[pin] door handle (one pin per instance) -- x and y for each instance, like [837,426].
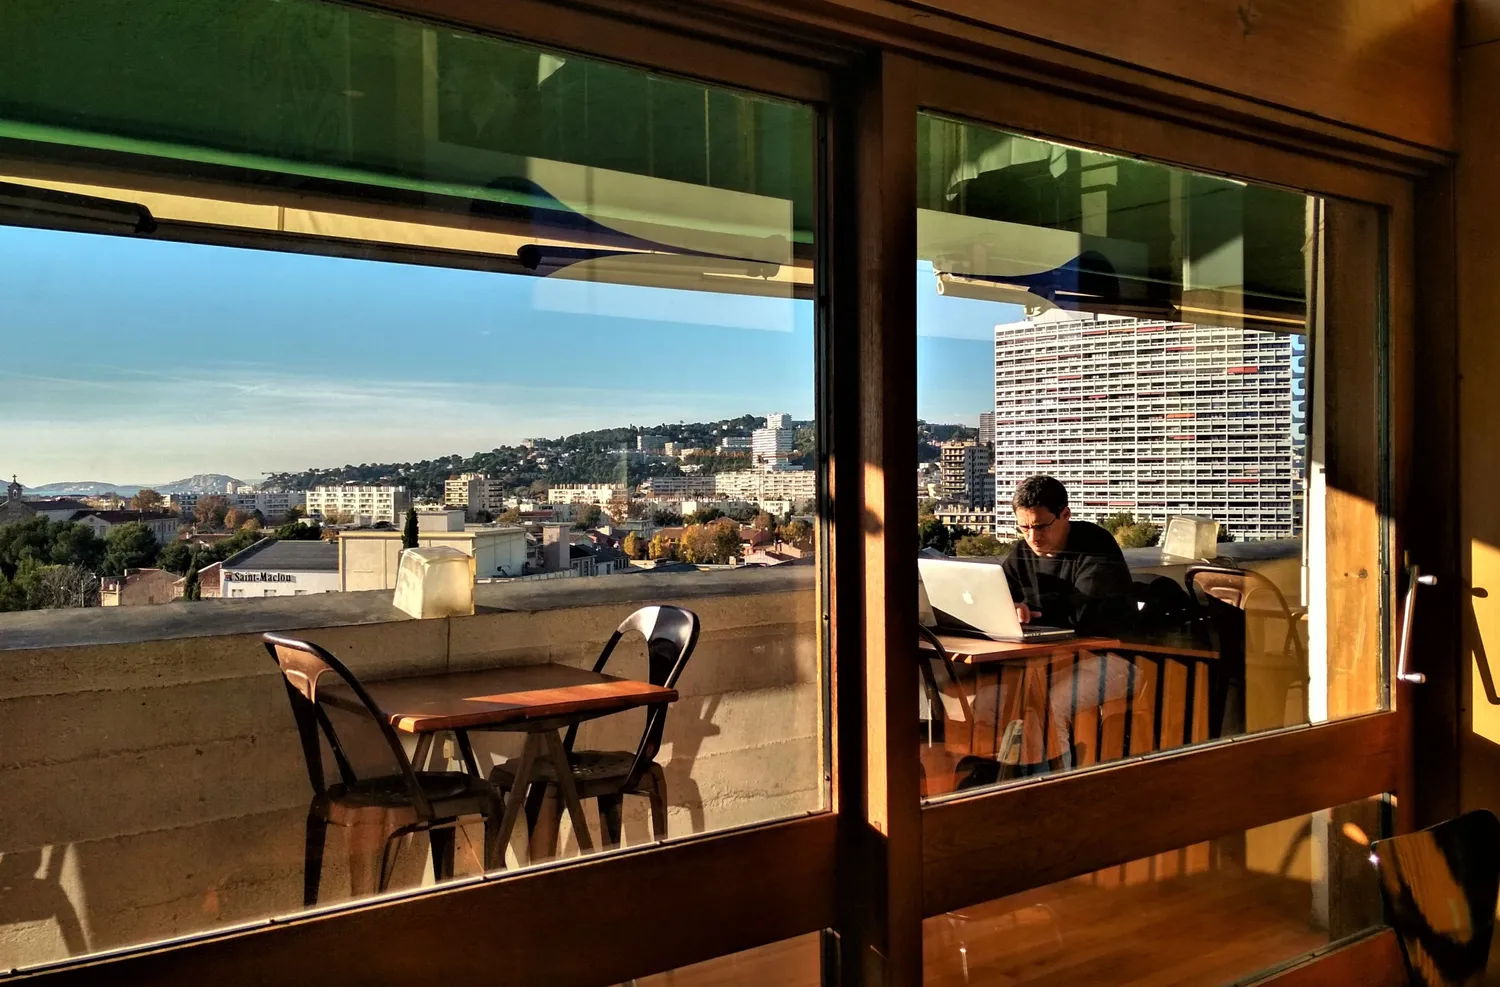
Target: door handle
[1415,579]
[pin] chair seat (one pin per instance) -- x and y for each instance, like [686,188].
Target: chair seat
[450,793]
[591,770]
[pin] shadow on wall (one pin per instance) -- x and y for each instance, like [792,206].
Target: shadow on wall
[31,892]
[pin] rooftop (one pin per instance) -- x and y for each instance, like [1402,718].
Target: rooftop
[305,556]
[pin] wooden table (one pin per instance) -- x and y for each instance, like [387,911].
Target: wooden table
[968,650]
[537,700]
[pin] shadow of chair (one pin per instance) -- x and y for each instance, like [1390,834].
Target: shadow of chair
[28,896]
[378,811]
[1227,595]
[671,635]
[1440,887]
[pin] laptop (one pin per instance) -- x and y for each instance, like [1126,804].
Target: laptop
[974,598]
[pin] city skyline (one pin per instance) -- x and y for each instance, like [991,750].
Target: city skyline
[134,361]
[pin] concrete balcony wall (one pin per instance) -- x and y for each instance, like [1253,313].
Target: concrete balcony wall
[154,785]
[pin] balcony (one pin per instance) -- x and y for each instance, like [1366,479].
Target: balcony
[157,784]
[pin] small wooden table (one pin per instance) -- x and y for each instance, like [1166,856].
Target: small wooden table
[968,650]
[537,700]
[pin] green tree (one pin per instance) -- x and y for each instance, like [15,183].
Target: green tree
[192,588]
[634,546]
[128,546]
[293,514]
[1114,522]
[703,516]
[588,517]
[176,557]
[982,544]
[932,533]
[409,532]
[148,500]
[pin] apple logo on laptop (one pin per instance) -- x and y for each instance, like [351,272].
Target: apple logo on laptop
[968,598]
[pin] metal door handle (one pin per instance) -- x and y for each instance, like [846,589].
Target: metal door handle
[1414,580]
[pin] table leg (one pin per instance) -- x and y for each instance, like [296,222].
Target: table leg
[515,799]
[568,790]
[420,754]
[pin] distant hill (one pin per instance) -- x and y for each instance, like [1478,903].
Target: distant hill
[82,488]
[200,483]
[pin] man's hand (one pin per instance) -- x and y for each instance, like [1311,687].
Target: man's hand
[1025,614]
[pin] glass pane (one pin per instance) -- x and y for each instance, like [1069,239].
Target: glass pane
[1118,443]
[326,285]
[793,962]
[1203,916]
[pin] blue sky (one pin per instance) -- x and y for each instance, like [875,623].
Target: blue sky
[136,361]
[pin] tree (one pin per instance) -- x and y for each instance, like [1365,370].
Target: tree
[715,543]
[664,518]
[148,500]
[634,546]
[128,546]
[483,517]
[54,587]
[1139,535]
[797,533]
[588,517]
[983,544]
[704,515]
[410,531]
[176,557]
[511,516]
[192,588]
[211,510]
[234,519]
[661,549]
[932,533]
[293,514]
[764,522]
[1114,522]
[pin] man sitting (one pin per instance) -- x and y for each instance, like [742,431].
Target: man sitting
[1062,572]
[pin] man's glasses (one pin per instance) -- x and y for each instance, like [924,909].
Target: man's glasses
[1026,528]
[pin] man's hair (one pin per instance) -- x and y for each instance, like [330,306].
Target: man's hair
[1041,491]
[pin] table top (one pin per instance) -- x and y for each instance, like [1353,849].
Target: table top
[499,697]
[978,650]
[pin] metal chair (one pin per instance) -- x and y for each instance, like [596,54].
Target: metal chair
[398,804]
[1440,887]
[671,634]
[1226,594]
[948,706]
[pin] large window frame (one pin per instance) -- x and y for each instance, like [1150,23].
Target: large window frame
[878,862]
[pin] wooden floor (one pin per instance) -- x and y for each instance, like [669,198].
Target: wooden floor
[1206,929]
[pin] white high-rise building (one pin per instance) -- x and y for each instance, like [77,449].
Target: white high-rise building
[987,428]
[770,446]
[376,503]
[1154,418]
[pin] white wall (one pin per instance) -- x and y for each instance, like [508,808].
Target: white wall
[249,582]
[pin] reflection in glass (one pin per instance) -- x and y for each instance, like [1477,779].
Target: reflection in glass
[1202,916]
[1118,384]
[562,309]
[792,962]
[1440,888]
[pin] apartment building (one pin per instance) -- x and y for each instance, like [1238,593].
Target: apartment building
[987,428]
[758,485]
[602,494]
[690,485]
[474,492]
[376,503]
[966,474]
[1155,418]
[770,446]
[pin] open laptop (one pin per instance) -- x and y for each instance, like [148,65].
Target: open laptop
[974,598]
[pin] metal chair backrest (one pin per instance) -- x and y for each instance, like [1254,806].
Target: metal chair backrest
[940,677]
[303,667]
[1237,588]
[1440,887]
[671,634]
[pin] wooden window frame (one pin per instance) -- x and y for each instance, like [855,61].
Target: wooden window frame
[879,861]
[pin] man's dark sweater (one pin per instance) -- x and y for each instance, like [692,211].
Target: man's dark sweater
[1086,586]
